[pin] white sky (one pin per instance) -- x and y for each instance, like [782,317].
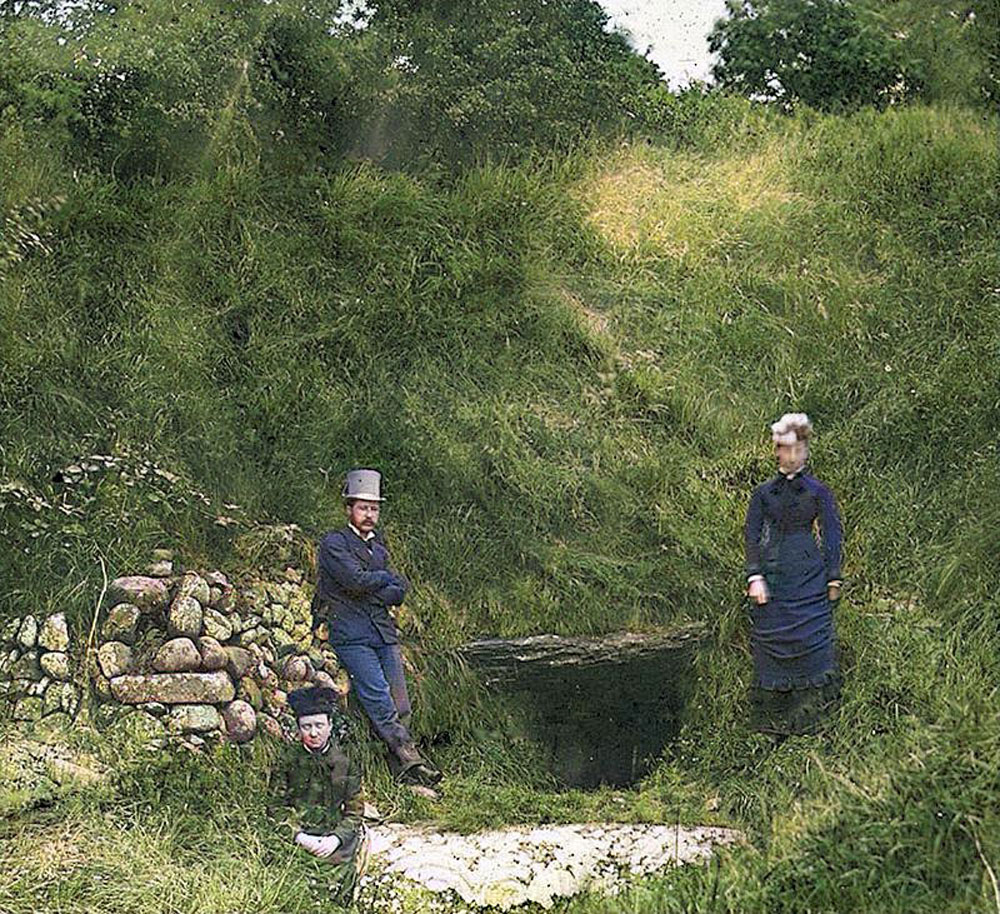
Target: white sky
[675,32]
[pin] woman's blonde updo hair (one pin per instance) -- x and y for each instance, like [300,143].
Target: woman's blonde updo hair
[791,428]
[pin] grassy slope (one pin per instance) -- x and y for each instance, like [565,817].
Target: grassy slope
[573,372]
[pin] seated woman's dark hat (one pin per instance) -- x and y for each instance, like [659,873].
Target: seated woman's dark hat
[313,700]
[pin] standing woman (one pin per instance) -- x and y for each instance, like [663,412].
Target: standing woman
[793,580]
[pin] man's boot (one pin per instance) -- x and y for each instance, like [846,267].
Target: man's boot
[410,767]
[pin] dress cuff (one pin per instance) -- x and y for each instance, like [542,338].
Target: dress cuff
[755,577]
[836,581]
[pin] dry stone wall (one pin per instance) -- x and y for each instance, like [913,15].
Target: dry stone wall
[35,668]
[195,655]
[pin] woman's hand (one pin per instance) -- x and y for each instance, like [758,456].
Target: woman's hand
[318,845]
[757,591]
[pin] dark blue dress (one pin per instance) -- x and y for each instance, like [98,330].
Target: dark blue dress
[792,636]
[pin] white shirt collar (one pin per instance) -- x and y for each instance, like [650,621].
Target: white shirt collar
[361,536]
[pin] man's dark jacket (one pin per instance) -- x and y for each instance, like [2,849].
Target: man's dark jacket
[355,589]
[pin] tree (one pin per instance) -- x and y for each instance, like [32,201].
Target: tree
[501,77]
[824,53]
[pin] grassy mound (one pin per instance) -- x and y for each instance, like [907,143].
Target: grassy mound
[566,371]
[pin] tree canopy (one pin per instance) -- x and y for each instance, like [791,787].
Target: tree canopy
[825,53]
[147,85]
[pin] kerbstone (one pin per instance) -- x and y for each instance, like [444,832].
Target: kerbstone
[510,867]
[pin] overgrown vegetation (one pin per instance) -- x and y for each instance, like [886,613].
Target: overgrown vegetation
[565,362]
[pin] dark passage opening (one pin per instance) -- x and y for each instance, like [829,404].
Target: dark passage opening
[603,708]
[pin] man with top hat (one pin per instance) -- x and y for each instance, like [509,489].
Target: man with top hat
[323,789]
[355,588]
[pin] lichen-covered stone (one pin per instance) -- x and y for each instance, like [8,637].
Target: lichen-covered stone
[55,664]
[54,635]
[7,661]
[296,669]
[239,661]
[213,657]
[250,692]
[163,555]
[193,585]
[50,700]
[102,686]
[8,634]
[139,726]
[240,721]
[121,623]
[26,666]
[276,700]
[114,658]
[38,687]
[178,655]
[149,594]
[282,639]
[174,688]
[185,617]
[217,626]
[243,623]
[253,636]
[270,726]
[160,569]
[323,680]
[27,634]
[69,697]
[193,718]
[217,579]
[214,595]
[227,600]
[28,709]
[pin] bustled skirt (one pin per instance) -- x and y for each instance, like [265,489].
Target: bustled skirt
[796,680]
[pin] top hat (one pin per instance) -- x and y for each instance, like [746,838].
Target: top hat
[363,485]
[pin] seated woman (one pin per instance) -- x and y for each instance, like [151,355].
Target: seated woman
[793,581]
[323,789]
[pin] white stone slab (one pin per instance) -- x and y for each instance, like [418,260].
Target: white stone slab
[508,867]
